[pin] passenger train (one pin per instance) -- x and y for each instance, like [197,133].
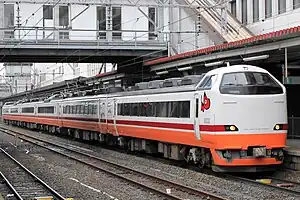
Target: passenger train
[231,119]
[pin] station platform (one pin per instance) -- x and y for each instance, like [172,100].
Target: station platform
[292,154]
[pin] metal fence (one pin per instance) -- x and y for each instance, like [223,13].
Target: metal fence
[294,128]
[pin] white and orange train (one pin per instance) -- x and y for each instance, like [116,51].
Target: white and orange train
[231,119]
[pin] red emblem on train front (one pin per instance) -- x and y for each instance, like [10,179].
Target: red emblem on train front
[205,103]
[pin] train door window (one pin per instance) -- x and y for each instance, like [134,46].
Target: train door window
[77,110]
[68,109]
[197,107]
[81,110]
[90,109]
[86,109]
[120,109]
[64,109]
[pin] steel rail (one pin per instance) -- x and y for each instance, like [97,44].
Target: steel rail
[55,193]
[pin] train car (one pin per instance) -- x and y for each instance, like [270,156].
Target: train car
[232,119]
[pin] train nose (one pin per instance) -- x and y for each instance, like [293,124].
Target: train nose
[259,114]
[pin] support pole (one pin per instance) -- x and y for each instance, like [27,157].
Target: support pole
[285,65]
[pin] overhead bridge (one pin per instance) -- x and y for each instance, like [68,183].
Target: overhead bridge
[53,45]
[219,19]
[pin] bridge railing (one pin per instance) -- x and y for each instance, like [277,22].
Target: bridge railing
[30,35]
[294,128]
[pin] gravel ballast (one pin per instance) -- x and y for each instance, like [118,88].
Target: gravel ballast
[69,178]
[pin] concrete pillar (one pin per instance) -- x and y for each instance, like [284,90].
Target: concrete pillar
[2,20]
[56,21]
[239,10]
[109,22]
[250,12]
[289,5]
[160,22]
[274,8]
[262,12]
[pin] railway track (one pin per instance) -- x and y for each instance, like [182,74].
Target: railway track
[162,187]
[5,191]
[275,183]
[22,182]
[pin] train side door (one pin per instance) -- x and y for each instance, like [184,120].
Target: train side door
[197,117]
[102,116]
[59,112]
[115,116]
[110,116]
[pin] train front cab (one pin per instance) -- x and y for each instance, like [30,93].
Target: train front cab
[244,118]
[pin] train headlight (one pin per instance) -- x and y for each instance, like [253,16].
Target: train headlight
[231,128]
[278,127]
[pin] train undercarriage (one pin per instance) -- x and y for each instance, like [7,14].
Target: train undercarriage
[191,155]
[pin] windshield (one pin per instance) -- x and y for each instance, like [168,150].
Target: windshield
[249,83]
[207,82]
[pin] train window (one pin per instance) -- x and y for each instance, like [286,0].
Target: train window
[134,110]
[28,110]
[207,82]
[163,109]
[149,108]
[46,109]
[94,109]
[126,109]
[6,110]
[68,109]
[14,110]
[64,109]
[120,109]
[184,109]
[249,83]
[142,109]
[174,109]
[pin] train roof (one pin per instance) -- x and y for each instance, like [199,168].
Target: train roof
[171,85]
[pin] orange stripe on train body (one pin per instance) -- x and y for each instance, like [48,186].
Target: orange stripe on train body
[229,140]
